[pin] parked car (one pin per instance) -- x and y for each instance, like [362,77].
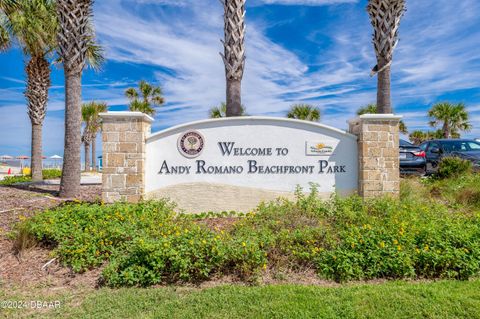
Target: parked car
[412,159]
[435,150]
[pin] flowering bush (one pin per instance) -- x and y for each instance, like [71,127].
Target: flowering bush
[342,239]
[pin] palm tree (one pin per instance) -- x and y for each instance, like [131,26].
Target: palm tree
[217,112]
[417,137]
[145,99]
[95,127]
[304,112]
[385,16]
[372,109]
[33,24]
[453,116]
[88,111]
[234,53]
[76,43]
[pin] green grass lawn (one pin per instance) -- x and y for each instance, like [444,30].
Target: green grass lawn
[444,299]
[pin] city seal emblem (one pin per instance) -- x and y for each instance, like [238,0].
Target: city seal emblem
[191,144]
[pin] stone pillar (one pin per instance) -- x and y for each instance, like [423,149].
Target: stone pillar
[378,154]
[123,171]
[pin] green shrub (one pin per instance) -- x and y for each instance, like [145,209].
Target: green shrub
[341,238]
[85,235]
[187,256]
[11,180]
[47,174]
[453,167]
[52,173]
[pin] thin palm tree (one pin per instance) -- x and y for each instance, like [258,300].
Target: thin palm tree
[33,24]
[217,112]
[454,118]
[234,53]
[88,110]
[372,109]
[95,127]
[146,98]
[385,16]
[304,112]
[76,44]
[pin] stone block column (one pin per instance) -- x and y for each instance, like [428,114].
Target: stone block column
[123,171]
[378,150]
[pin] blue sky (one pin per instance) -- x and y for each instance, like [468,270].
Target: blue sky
[298,51]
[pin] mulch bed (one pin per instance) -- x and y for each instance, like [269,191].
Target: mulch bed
[30,270]
[26,269]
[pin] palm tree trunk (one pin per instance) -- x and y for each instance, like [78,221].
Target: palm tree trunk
[71,174]
[234,53]
[234,98]
[94,151]
[38,83]
[384,103]
[446,130]
[87,156]
[36,159]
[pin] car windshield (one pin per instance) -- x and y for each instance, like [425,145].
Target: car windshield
[460,146]
[405,143]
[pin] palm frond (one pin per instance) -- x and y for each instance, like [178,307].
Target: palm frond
[368,109]
[95,55]
[145,98]
[131,93]
[304,112]
[5,40]
[32,23]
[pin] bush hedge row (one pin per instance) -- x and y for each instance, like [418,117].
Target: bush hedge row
[342,239]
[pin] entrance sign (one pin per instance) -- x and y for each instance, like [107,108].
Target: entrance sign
[235,163]
[269,154]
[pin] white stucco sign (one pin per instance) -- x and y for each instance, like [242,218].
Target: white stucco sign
[253,153]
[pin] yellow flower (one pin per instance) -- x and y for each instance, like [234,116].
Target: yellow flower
[399,248]
[204,241]
[395,242]
[264,266]
[244,244]
[382,244]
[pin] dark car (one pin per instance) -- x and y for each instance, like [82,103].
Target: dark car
[412,159]
[435,150]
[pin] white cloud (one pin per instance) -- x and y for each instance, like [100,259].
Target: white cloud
[178,40]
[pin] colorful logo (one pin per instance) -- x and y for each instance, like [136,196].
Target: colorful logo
[319,149]
[191,144]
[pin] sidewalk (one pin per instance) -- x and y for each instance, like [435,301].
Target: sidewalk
[87,179]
